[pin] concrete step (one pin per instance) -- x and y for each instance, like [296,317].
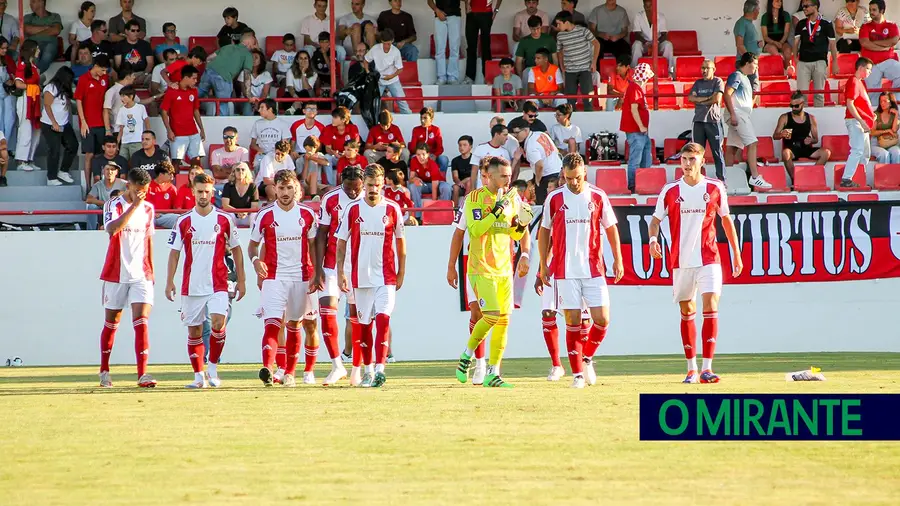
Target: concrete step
[36,177]
[42,206]
[24,194]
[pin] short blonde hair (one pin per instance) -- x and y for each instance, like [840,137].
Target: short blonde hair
[694,148]
[373,170]
[247,178]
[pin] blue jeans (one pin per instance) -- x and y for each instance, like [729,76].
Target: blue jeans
[93,220]
[396,91]
[447,32]
[443,162]
[8,120]
[638,154]
[221,88]
[49,51]
[409,53]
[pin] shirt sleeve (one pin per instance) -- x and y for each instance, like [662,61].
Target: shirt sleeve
[559,77]
[256,231]
[530,76]
[110,213]
[343,231]
[120,117]
[724,210]
[459,220]
[314,228]
[545,215]
[829,31]
[176,241]
[734,81]
[79,89]
[660,212]
[607,216]
[95,191]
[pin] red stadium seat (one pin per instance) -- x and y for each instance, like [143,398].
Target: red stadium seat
[672,147]
[743,200]
[622,201]
[783,96]
[862,197]
[823,197]
[687,68]
[725,65]
[209,152]
[684,42]
[809,178]
[651,201]
[607,68]
[649,181]
[209,43]
[499,46]
[652,151]
[442,217]
[273,43]
[409,74]
[771,67]
[839,146]
[665,103]
[613,181]
[781,199]
[415,104]
[161,39]
[662,70]
[776,176]
[491,70]
[846,66]
[859,177]
[887,176]
[765,150]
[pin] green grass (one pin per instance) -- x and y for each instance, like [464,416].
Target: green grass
[423,439]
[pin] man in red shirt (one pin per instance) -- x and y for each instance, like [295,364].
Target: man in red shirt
[426,177]
[636,121]
[162,194]
[180,111]
[431,135]
[89,100]
[382,134]
[334,136]
[860,119]
[878,38]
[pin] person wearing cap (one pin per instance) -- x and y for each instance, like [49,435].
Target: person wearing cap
[100,192]
[635,122]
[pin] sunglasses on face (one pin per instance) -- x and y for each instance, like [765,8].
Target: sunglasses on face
[228,137]
[531,116]
[135,31]
[796,106]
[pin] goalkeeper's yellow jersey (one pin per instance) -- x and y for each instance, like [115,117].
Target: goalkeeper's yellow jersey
[490,238]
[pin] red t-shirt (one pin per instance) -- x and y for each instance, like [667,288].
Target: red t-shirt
[162,199]
[35,74]
[378,134]
[185,198]
[398,195]
[430,136]
[181,104]
[431,172]
[90,92]
[634,94]
[334,140]
[482,5]
[856,91]
[878,31]
[345,162]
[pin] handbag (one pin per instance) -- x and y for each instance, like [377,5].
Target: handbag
[886,141]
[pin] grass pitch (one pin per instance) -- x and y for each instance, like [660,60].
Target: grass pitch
[423,439]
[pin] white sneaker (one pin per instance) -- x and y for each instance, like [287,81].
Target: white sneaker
[105,380]
[54,182]
[578,382]
[355,376]
[556,372]
[278,376]
[309,378]
[65,177]
[200,383]
[478,375]
[337,373]
[348,359]
[288,381]
[147,381]
[213,381]
[441,81]
[27,167]
[759,182]
[589,371]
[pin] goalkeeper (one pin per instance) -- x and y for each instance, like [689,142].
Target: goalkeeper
[495,216]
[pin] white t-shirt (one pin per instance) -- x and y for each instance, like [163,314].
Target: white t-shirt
[132,121]
[300,133]
[385,63]
[269,166]
[113,101]
[60,107]
[641,23]
[156,77]
[349,20]
[204,240]
[297,83]
[561,134]
[487,149]
[81,31]
[313,26]
[539,147]
[258,83]
[283,60]
[268,132]
[223,158]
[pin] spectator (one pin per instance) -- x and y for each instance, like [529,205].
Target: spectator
[528,46]
[181,117]
[609,24]
[184,198]
[136,52]
[316,23]
[260,83]
[279,159]
[392,161]
[313,164]
[618,83]
[240,193]
[28,105]
[83,63]
[307,127]
[356,26]
[112,99]
[9,30]
[268,130]
[739,107]
[461,168]
[578,52]
[497,146]
[522,26]
[545,80]
[118,24]
[163,194]
[283,59]
[799,133]
[507,84]
[389,64]
[396,190]
[577,17]
[776,28]
[110,153]
[859,117]
[56,127]
[149,155]
[100,192]
[543,157]
[7,98]
[158,85]
[351,158]
[403,28]
[643,37]
[321,62]
[223,160]
[479,20]
[429,134]
[232,31]
[131,122]
[81,28]
[814,39]
[528,119]
[89,101]
[357,66]
[334,136]
[567,136]
[170,31]
[747,39]
[885,143]
[426,178]
[301,81]
[97,43]
[847,22]
[382,134]
[196,57]
[43,26]
[511,144]
[229,62]
[635,122]
[878,38]
[706,95]
[447,23]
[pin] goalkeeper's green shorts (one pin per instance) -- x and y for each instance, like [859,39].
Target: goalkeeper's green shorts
[493,294]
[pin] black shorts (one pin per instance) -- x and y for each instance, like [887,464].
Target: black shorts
[802,151]
[93,141]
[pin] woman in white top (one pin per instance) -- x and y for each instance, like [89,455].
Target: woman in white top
[301,80]
[565,135]
[847,23]
[81,29]
[56,126]
[260,83]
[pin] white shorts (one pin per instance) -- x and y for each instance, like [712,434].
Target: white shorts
[290,300]
[742,135]
[193,307]
[373,301]
[550,301]
[686,281]
[574,293]
[331,288]
[118,295]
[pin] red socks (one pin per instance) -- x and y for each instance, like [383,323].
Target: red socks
[309,362]
[141,344]
[689,335]
[292,348]
[107,338]
[382,337]
[365,343]
[330,330]
[710,331]
[270,341]
[356,335]
[595,335]
[281,357]
[196,350]
[575,346]
[551,337]
[216,345]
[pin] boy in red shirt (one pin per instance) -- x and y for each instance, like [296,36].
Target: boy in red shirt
[382,134]
[89,96]
[860,119]
[180,111]
[334,136]
[163,194]
[878,38]
[396,191]
[425,177]
[351,157]
[431,135]
[195,58]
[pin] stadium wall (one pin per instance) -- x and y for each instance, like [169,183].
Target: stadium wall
[51,312]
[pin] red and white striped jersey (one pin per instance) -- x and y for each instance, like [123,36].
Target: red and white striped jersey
[331,211]
[287,236]
[692,220]
[371,232]
[576,223]
[204,240]
[129,254]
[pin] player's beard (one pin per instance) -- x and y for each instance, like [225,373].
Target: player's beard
[287,200]
[372,198]
[203,204]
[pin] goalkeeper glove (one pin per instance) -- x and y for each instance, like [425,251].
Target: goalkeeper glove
[502,203]
[526,214]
